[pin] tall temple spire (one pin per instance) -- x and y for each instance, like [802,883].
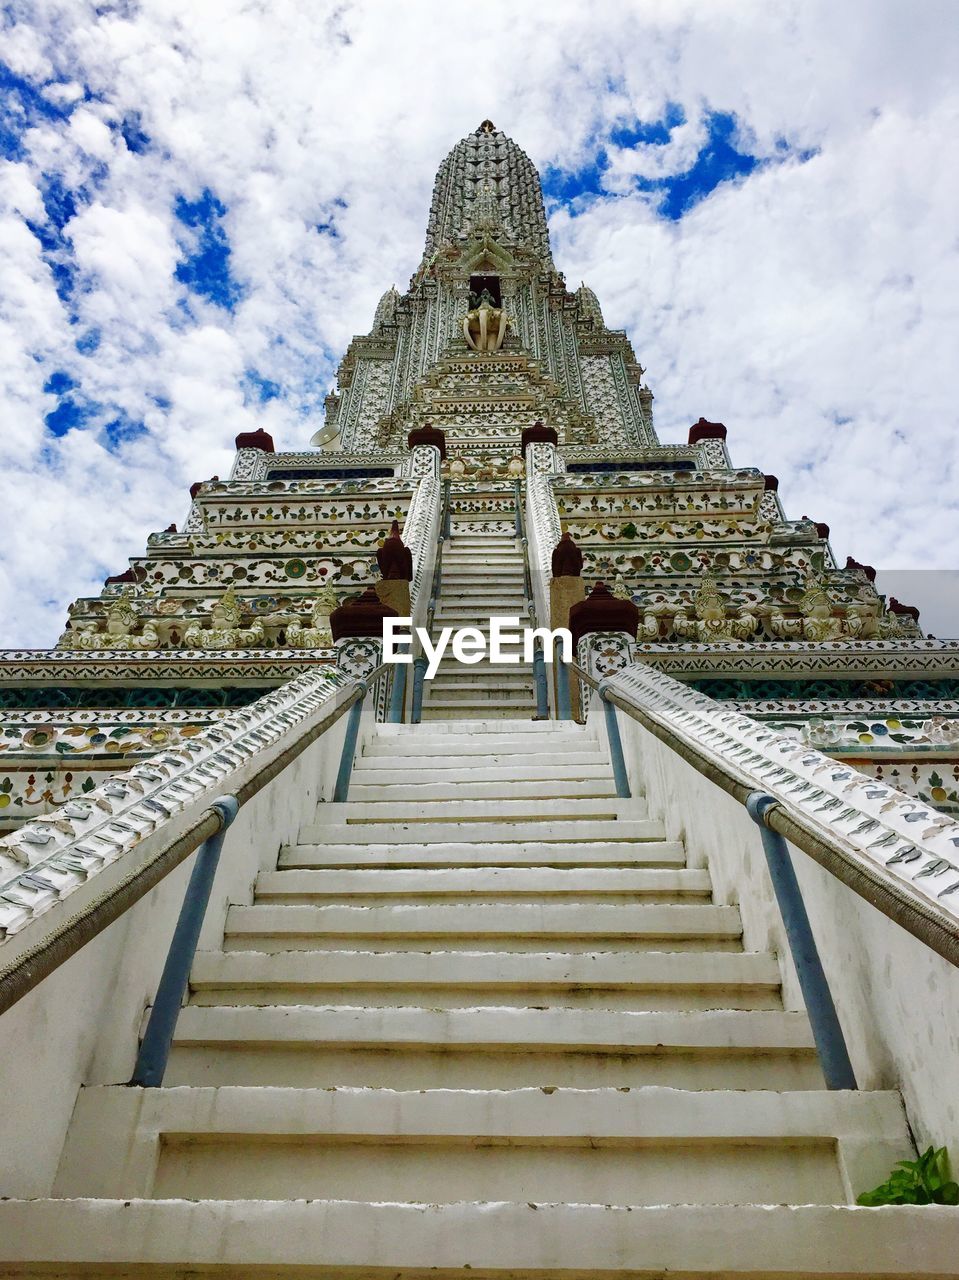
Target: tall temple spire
[487,175]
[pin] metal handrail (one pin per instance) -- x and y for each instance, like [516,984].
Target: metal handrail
[779,823]
[420,662]
[888,894]
[529,606]
[445,533]
[33,965]
[824,1021]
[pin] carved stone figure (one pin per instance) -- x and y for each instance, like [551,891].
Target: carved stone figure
[318,634]
[862,622]
[711,625]
[224,630]
[484,328]
[818,624]
[121,620]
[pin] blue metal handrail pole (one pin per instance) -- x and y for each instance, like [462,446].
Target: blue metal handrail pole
[446,525]
[420,664]
[564,707]
[617,759]
[826,1029]
[542,688]
[398,693]
[341,788]
[155,1048]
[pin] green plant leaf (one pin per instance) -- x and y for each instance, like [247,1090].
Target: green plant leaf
[923,1181]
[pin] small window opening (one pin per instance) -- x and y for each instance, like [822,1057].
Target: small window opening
[489,284]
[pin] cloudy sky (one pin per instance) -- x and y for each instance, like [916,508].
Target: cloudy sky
[200,203]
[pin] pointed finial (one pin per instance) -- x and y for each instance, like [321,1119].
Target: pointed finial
[487,127]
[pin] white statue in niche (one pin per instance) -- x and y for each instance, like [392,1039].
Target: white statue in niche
[484,327]
[711,625]
[318,634]
[118,632]
[224,630]
[817,624]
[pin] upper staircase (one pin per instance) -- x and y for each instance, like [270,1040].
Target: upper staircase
[481,575]
[481,1017]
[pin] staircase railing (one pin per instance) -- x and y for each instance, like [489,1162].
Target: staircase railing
[103,853]
[529,607]
[889,848]
[444,534]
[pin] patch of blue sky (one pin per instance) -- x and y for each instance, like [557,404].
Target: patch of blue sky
[134,135]
[259,389]
[206,269]
[60,205]
[88,342]
[653,133]
[328,225]
[59,383]
[722,158]
[122,430]
[22,105]
[71,412]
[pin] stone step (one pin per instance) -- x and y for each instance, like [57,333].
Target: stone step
[454,852]
[480,882]
[381,770]
[498,556]
[578,922]
[309,1239]
[471,694]
[469,581]
[450,666]
[463,752]
[443,1146]
[469,543]
[508,713]
[676,980]
[500,708]
[549,1031]
[517,703]
[487,597]
[488,832]
[477,613]
[558,731]
[427,790]
[359,813]
[470,618]
[453,672]
[505,712]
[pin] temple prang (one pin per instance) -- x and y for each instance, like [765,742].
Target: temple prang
[486,353]
[628,949]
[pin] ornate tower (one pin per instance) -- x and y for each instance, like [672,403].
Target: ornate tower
[487,241]
[486,344]
[665,991]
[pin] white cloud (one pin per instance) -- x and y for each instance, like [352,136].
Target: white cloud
[808,306]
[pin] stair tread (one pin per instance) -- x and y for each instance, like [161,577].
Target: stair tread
[484,832]
[544,880]
[546,1240]
[547,1030]
[479,919]
[641,1113]
[487,968]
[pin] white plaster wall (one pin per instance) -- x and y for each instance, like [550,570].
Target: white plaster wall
[81,1024]
[898,1002]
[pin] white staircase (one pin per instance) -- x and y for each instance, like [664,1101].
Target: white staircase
[482,1018]
[482,575]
